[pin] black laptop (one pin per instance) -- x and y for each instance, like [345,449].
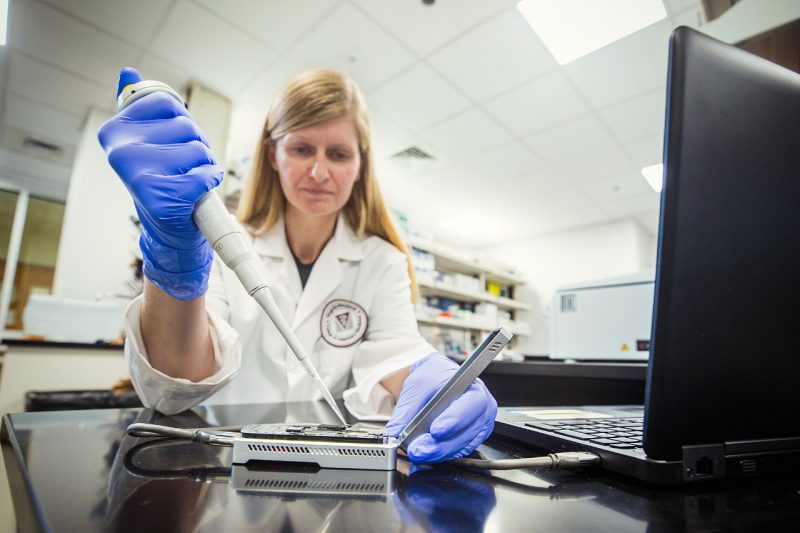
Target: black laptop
[723,383]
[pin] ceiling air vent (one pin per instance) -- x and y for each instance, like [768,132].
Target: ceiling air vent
[412,152]
[41,147]
[36,146]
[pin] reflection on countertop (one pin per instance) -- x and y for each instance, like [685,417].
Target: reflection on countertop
[86,475]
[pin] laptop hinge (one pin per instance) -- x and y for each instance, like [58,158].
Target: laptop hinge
[703,461]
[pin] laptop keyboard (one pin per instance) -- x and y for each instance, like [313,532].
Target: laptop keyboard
[621,433]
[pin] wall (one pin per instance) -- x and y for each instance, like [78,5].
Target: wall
[573,256]
[98,239]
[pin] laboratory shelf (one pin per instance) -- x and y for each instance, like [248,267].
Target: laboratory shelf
[435,288]
[455,260]
[470,325]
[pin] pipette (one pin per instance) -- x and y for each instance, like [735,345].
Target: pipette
[225,236]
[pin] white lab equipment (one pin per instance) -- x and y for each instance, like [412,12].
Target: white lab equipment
[225,236]
[73,320]
[604,319]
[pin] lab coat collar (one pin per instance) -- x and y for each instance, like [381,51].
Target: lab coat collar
[347,245]
[326,275]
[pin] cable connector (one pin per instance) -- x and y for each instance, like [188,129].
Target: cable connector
[575,459]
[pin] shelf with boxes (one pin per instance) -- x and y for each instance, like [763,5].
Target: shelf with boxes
[463,296]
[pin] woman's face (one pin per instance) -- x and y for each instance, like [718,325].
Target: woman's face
[318,165]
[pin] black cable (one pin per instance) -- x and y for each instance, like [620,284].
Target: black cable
[212,436]
[198,474]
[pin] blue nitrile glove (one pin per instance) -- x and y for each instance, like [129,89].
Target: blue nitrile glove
[164,161]
[455,433]
[437,499]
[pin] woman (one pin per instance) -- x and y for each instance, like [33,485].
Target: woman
[337,268]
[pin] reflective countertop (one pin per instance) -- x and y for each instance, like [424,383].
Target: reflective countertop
[77,471]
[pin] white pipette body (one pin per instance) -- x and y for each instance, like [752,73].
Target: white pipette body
[225,236]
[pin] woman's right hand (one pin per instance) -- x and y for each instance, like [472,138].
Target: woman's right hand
[165,163]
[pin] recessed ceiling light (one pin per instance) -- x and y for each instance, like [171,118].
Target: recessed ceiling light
[573,28]
[654,174]
[3,21]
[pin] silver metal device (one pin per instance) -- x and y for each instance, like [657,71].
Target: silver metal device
[225,236]
[360,447]
[457,385]
[349,483]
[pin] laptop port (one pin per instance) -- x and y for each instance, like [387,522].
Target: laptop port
[703,462]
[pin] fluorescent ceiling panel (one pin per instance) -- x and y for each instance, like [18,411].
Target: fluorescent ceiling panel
[654,176]
[3,21]
[573,28]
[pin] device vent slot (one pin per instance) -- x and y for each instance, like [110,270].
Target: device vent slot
[276,484]
[314,485]
[568,303]
[367,453]
[360,487]
[280,449]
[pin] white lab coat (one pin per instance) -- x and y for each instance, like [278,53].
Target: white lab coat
[254,365]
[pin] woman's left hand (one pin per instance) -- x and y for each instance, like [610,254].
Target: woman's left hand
[455,433]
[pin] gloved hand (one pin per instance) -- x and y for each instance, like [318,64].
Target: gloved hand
[164,161]
[442,500]
[455,433]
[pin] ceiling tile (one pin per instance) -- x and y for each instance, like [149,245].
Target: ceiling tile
[618,188]
[424,28]
[626,68]
[387,137]
[649,219]
[350,42]
[647,151]
[55,88]
[633,205]
[266,85]
[155,68]
[595,165]
[46,121]
[506,162]
[676,6]
[135,22]
[41,178]
[471,132]
[493,57]
[211,50]
[58,39]
[538,183]
[537,105]
[527,194]
[570,140]
[446,179]
[636,118]
[417,99]
[584,216]
[276,24]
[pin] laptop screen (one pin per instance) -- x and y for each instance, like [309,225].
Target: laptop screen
[725,354]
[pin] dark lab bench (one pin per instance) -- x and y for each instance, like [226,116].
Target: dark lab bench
[77,471]
[546,382]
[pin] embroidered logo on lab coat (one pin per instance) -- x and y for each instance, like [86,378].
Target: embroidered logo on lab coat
[343,323]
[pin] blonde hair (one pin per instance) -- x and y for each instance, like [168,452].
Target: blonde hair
[307,99]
